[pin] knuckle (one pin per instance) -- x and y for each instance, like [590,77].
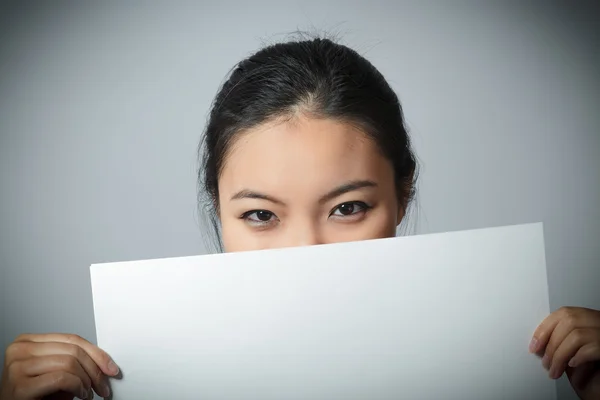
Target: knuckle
[551,348]
[13,370]
[578,336]
[72,338]
[569,316]
[566,311]
[75,351]
[14,350]
[570,322]
[19,392]
[98,375]
[22,337]
[541,333]
[71,363]
[61,381]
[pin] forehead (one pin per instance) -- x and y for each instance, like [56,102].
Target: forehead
[304,154]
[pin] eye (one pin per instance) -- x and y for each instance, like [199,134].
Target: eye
[349,209]
[259,217]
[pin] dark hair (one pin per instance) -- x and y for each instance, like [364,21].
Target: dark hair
[319,77]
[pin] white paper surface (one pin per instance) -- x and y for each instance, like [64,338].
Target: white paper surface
[441,316]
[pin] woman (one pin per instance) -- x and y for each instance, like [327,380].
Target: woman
[305,144]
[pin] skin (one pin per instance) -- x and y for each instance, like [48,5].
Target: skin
[297,163]
[294,172]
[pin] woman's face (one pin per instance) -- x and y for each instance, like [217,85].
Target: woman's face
[303,182]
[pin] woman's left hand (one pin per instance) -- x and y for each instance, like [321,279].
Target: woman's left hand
[569,341]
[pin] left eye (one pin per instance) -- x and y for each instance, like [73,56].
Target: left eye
[350,208]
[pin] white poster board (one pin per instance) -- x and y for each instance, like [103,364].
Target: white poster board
[439,316]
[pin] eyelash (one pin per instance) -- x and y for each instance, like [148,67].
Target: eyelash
[257,223]
[364,207]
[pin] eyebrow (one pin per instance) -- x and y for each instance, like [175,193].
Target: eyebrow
[338,191]
[346,188]
[250,194]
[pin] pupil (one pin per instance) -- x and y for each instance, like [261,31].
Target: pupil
[346,209]
[263,215]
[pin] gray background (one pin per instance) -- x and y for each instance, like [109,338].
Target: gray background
[102,105]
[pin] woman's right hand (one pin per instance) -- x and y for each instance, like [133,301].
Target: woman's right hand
[55,366]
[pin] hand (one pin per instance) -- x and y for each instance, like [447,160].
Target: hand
[569,340]
[55,366]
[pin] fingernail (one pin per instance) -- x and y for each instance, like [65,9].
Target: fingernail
[90,394]
[572,363]
[112,367]
[533,345]
[546,362]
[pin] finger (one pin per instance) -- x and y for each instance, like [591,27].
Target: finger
[580,377]
[567,349]
[73,354]
[586,354]
[569,319]
[100,357]
[54,363]
[54,382]
[542,334]
[61,396]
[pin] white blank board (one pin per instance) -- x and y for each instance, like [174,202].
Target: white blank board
[439,316]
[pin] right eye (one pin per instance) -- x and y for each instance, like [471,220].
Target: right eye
[259,217]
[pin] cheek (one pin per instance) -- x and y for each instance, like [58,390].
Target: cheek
[235,237]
